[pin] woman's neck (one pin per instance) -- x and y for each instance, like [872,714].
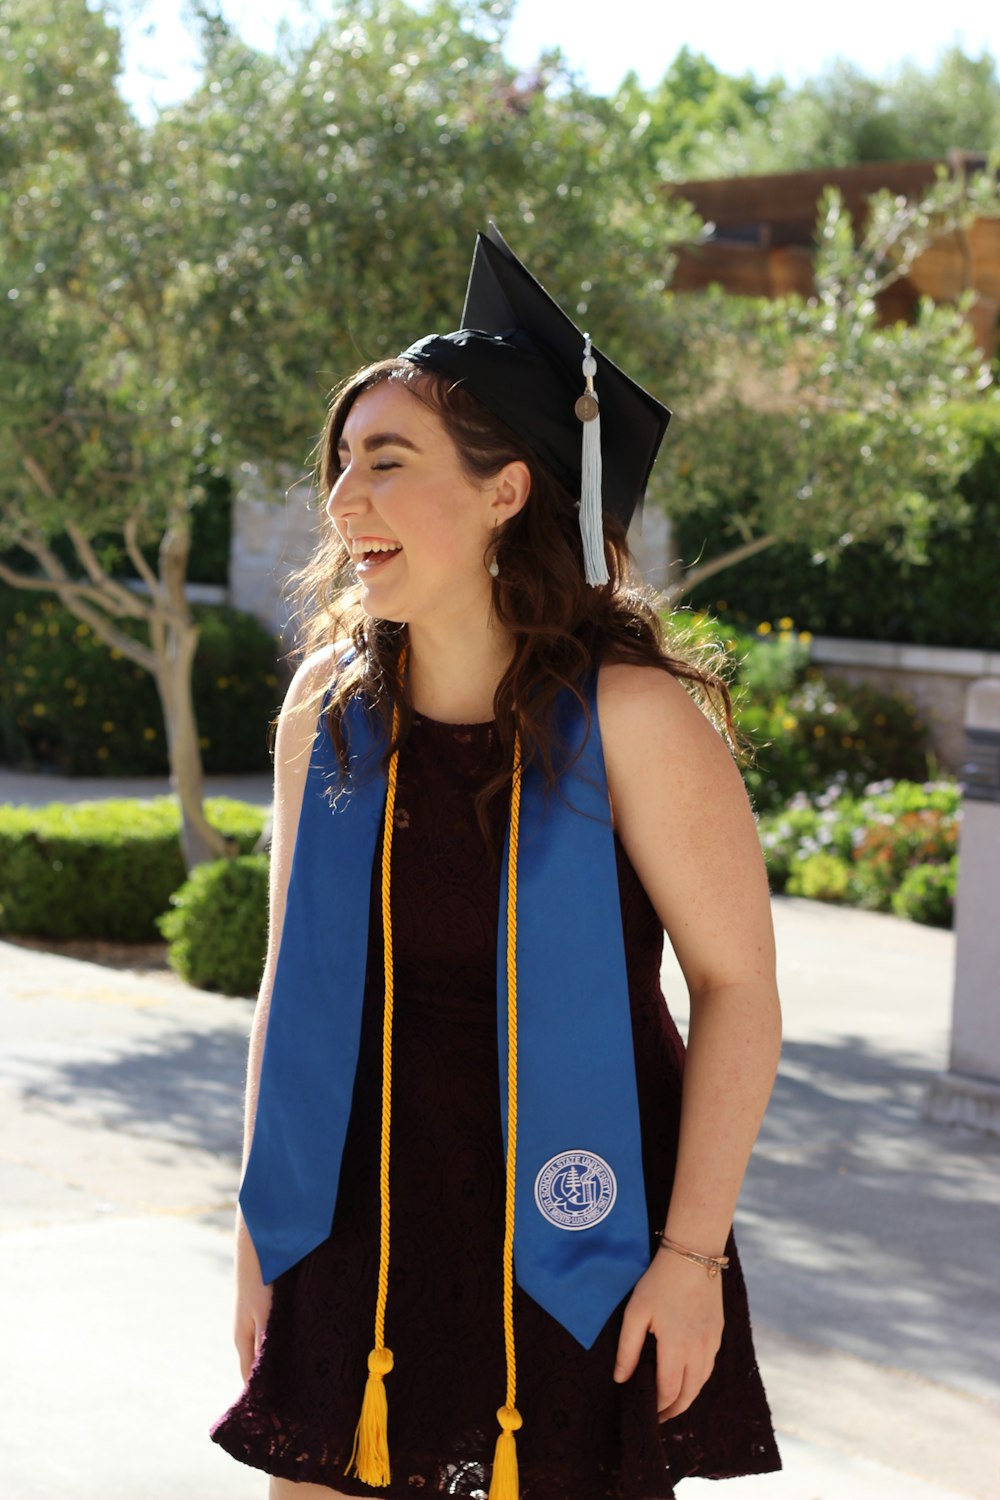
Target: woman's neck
[453,676]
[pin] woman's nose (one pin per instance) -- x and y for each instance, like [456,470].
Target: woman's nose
[346,497]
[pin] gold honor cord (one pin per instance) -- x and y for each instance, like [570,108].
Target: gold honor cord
[370,1453]
[504,1484]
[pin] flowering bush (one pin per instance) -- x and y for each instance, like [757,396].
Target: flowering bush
[808,729]
[894,848]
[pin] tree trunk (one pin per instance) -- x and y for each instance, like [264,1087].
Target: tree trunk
[175,641]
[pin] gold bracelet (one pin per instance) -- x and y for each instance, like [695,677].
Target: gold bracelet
[713,1263]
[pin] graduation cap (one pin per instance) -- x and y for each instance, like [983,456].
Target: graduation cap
[525,360]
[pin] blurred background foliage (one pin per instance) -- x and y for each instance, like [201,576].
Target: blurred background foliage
[181,296]
[178,297]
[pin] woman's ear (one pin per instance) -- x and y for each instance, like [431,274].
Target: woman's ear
[509,490]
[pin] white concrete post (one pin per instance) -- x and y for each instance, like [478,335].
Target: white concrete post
[969,1093]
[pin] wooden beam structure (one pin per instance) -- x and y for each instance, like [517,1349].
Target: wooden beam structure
[762,237]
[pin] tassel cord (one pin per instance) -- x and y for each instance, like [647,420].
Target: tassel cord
[588,409]
[504,1480]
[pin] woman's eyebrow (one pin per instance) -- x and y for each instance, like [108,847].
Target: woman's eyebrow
[381,440]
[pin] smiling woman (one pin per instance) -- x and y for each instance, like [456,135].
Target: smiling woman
[479,1174]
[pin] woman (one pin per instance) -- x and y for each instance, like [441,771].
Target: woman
[470,1120]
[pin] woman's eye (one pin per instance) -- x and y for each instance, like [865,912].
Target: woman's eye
[386,464]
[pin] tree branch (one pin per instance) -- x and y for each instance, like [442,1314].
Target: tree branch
[130,532]
[49,585]
[70,593]
[697,575]
[38,476]
[117,598]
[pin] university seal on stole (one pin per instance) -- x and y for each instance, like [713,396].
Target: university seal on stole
[575,1190]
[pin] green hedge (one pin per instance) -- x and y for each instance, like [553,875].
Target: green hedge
[217,925]
[101,869]
[69,703]
[953,600]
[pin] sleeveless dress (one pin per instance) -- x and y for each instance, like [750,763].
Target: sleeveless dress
[584,1436]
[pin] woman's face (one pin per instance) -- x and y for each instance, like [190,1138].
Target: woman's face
[416,525]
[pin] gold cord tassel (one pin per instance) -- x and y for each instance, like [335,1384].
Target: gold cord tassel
[504,1481]
[370,1453]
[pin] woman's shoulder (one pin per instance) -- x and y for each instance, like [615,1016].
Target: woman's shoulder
[657,740]
[638,699]
[303,701]
[314,674]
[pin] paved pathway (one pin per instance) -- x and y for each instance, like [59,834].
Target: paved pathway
[868,1234]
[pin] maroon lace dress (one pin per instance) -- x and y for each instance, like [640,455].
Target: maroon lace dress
[583,1436]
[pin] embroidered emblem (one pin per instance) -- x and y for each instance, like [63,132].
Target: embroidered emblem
[575,1190]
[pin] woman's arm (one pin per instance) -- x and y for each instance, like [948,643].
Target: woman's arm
[682,813]
[292,750]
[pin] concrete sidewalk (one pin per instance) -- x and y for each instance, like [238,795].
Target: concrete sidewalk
[868,1235]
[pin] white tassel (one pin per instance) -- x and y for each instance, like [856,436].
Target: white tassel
[591,509]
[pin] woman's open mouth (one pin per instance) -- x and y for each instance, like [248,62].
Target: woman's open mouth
[372,553]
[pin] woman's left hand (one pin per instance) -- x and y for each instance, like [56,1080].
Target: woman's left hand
[682,1306]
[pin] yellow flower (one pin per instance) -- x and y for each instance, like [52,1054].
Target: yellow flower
[107,726]
[789,721]
[784,635]
[38,628]
[786,622]
[53,627]
[82,629]
[115,654]
[805,636]
[38,708]
[69,682]
[880,719]
[204,742]
[764,628]
[20,617]
[222,682]
[847,741]
[20,689]
[149,734]
[30,671]
[79,700]
[103,752]
[819,731]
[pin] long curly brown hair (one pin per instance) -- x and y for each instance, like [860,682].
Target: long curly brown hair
[561,627]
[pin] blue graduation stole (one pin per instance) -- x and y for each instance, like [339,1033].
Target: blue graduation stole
[581,1237]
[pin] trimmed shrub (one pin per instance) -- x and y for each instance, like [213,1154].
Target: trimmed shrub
[217,925]
[101,869]
[927,894]
[820,877]
[69,703]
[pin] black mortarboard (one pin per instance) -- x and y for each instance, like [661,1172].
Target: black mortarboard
[519,354]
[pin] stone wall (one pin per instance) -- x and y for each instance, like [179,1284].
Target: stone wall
[936,679]
[275,529]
